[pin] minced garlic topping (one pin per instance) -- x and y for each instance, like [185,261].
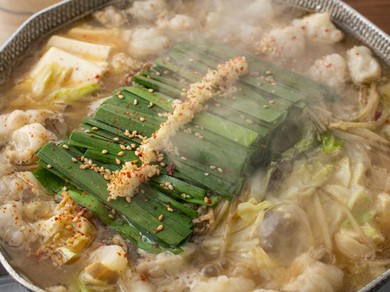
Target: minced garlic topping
[126,181]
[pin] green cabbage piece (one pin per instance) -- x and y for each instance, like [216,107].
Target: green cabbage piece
[74,93]
[330,144]
[49,78]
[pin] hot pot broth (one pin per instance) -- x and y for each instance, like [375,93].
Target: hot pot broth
[308,211]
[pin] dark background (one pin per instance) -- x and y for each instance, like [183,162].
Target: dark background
[378,11]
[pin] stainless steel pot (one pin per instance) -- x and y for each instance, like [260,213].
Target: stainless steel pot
[51,19]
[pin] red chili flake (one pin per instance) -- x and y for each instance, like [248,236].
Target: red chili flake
[170,169]
[97,76]
[378,115]
[143,277]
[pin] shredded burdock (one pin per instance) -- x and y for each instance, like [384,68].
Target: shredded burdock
[126,181]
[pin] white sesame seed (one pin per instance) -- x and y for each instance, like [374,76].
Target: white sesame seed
[183,158]
[159,228]
[116,139]
[135,102]
[206,173]
[104,151]
[120,96]
[49,166]
[220,170]
[117,161]
[151,90]
[161,217]
[111,216]
[121,153]
[95,128]
[65,146]
[213,167]
[142,119]
[74,159]
[133,146]
[123,147]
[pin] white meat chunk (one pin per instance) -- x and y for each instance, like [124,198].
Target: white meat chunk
[288,42]
[310,275]
[318,27]
[238,21]
[122,62]
[223,284]
[110,17]
[26,141]
[13,230]
[259,9]
[12,121]
[330,70]
[144,42]
[179,23]
[147,10]
[164,264]
[249,11]
[13,187]
[363,67]
[233,30]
